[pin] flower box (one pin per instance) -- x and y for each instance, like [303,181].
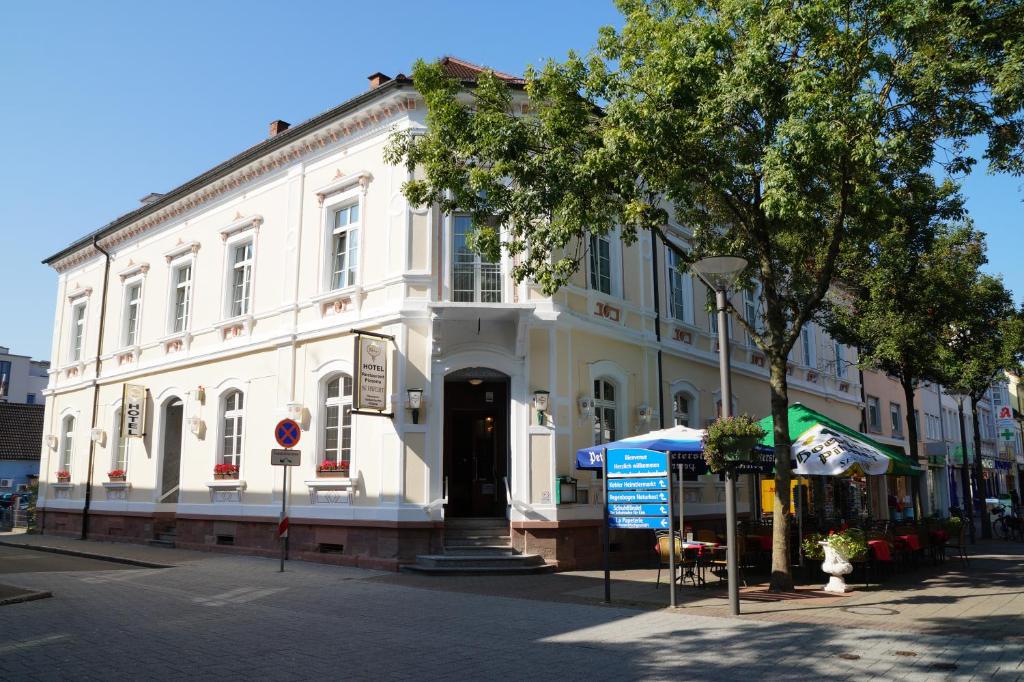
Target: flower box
[225,471]
[122,477]
[117,475]
[225,476]
[335,473]
[63,479]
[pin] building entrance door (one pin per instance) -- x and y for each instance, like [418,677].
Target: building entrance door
[476,443]
[171,449]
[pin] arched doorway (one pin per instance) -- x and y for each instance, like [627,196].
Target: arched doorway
[476,441]
[174,413]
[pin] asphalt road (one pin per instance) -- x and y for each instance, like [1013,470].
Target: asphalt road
[16,560]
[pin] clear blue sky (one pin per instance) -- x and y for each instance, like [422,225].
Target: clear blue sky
[102,103]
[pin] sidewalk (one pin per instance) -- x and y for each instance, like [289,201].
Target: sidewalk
[121,552]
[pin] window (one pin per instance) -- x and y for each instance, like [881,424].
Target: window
[474,279]
[67,447]
[680,289]
[604,411]
[683,408]
[600,264]
[338,419]
[750,312]
[120,454]
[132,308]
[874,414]
[231,447]
[30,398]
[917,424]
[896,417]
[5,378]
[807,347]
[345,247]
[837,348]
[241,279]
[77,331]
[182,294]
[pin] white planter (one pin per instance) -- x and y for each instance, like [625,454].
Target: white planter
[836,565]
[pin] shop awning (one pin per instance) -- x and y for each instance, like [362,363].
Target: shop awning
[685,445]
[824,447]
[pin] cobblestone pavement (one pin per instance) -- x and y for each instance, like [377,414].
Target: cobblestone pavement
[232,617]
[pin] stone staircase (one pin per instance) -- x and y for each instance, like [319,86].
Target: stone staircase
[165,537]
[478,546]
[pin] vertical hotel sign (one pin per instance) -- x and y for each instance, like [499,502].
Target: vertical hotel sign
[371,390]
[133,411]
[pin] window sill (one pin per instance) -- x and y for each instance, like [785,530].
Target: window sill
[226,484]
[177,341]
[331,490]
[116,485]
[128,354]
[62,485]
[240,325]
[339,301]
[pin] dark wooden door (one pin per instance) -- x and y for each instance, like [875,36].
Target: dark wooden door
[476,447]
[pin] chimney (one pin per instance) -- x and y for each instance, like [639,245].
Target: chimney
[378,79]
[278,126]
[150,198]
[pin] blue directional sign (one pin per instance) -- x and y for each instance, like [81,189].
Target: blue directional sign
[639,522]
[638,509]
[659,483]
[638,497]
[636,462]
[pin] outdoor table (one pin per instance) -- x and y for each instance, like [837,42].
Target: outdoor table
[700,548]
[911,541]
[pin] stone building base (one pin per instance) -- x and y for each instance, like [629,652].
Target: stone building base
[578,545]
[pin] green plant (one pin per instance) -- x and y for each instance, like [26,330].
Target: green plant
[726,437]
[953,525]
[851,543]
[813,550]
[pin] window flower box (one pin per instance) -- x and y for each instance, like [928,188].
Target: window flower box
[63,477]
[117,475]
[223,472]
[332,469]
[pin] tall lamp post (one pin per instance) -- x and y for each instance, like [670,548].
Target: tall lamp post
[719,273]
[965,471]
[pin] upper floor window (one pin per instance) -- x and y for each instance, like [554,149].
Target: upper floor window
[132,309]
[337,410]
[896,417]
[241,279]
[30,399]
[67,446]
[807,346]
[474,278]
[840,359]
[5,379]
[77,331]
[182,297]
[874,413]
[680,289]
[600,264]
[345,246]
[604,411]
[683,408]
[231,448]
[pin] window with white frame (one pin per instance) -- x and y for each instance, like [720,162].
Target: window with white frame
[600,264]
[684,409]
[132,311]
[839,351]
[232,423]
[181,297]
[807,346]
[680,289]
[604,411]
[121,446]
[713,324]
[474,278]
[337,411]
[874,413]
[896,418]
[67,446]
[345,246]
[77,331]
[240,298]
[751,299]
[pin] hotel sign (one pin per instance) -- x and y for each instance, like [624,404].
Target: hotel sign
[371,380]
[133,411]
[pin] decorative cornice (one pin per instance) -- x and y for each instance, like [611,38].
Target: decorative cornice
[133,269]
[240,224]
[342,181]
[79,292]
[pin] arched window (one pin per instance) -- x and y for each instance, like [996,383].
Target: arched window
[604,411]
[119,460]
[338,419]
[684,409]
[231,448]
[67,447]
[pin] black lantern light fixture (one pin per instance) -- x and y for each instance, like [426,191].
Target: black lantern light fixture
[415,396]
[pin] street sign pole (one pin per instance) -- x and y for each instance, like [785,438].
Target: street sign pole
[672,542]
[606,530]
[284,498]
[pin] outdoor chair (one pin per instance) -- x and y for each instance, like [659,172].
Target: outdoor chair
[686,561]
[958,545]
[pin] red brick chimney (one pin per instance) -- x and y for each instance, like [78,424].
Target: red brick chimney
[278,126]
[378,79]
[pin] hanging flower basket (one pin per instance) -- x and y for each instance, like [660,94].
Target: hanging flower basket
[332,469]
[225,471]
[732,439]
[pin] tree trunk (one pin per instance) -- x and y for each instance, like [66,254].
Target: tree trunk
[986,520]
[915,454]
[781,580]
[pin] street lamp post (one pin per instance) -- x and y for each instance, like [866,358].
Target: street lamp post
[965,472]
[719,273]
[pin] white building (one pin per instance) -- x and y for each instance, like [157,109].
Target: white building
[22,379]
[234,298]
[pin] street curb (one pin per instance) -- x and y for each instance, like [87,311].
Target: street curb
[28,596]
[85,555]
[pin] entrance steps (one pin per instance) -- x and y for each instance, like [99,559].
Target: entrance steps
[478,546]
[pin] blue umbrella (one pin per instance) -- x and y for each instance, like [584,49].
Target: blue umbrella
[676,439]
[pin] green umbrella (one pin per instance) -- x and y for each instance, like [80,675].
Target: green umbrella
[824,447]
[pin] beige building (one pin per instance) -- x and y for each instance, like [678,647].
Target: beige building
[233,299]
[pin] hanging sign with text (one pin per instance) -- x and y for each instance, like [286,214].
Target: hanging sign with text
[133,411]
[371,364]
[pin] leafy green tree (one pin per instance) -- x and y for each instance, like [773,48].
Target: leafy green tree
[772,129]
[986,341]
[902,296]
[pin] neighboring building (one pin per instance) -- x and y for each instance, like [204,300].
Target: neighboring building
[22,379]
[21,440]
[233,300]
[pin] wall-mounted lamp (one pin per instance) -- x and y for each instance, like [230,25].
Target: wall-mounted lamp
[51,442]
[541,400]
[195,425]
[586,405]
[644,412]
[198,394]
[98,436]
[294,411]
[415,398]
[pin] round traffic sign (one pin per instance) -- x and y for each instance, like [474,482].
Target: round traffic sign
[287,433]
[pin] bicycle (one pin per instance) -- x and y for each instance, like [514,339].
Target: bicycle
[1005,525]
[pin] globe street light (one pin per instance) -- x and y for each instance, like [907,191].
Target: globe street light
[719,273]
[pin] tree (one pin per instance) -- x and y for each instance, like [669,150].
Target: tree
[987,340]
[772,130]
[902,297]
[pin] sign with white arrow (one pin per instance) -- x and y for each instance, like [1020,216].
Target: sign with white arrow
[638,509]
[639,522]
[638,497]
[660,483]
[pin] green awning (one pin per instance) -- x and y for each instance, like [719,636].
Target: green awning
[803,419]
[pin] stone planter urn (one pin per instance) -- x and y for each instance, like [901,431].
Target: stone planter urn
[836,565]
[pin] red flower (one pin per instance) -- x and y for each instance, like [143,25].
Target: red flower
[333,465]
[117,473]
[63,473]
[225,469]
